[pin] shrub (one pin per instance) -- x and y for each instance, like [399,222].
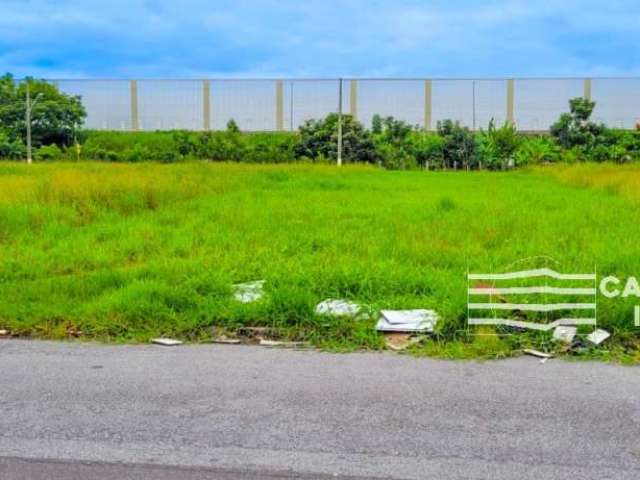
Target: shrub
[319,140]
[537,150]
[499,145]
[428,149]
[48,152]
[390,138]
[459,147]
[11,149]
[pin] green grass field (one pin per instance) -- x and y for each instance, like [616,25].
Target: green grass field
[127,252]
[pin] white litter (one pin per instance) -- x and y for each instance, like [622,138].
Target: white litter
[277,343]
[565,334]
[4,333]
[407,321]
[338,308]
[248,292]
[167,342]
[598,336]
[537,353]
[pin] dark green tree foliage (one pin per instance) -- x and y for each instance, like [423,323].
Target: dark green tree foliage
[55,116]
[391,138]
[574,129]
[319,140]
[459,148]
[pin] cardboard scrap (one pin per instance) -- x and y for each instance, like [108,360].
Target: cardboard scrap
[598,336]
[399,341]
[565,334]
[407,321]
[338,308]
[167,342]
[249,291]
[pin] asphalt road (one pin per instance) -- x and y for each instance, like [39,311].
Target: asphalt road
[77,411]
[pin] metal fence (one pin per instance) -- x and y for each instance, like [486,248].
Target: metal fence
[532,104]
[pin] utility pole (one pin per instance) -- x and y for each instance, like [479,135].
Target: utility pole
[28,120]
[340,122]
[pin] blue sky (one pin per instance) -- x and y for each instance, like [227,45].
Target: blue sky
[302,38]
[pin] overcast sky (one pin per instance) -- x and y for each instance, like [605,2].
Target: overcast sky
[302,38]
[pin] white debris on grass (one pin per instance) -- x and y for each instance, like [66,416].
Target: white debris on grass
[167,342]
[248,292]
[565,334]
[4,333]
[537,353]
[338,308]
[279,343]
[407,321]
[598,336]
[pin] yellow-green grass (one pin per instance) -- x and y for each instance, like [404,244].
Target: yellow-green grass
[128,252]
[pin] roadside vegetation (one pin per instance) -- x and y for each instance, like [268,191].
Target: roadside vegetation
[387,142]
[122,252]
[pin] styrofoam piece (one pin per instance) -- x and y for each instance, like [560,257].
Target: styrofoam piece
[248,292]
[167,342]
[565,333]
[419,320]
[598,336]
[338,308]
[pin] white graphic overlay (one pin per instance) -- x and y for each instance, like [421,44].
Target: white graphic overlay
[485,294]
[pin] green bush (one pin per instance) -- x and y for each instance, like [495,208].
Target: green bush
[537,150]
[427,148]
[48,152]
[11,149]
[497,146]
[319,140]
[459,145]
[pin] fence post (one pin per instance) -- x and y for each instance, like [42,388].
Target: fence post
[135,122]
[428,98]
[510,102]
[206,105]
[340,122]
[279,105]
[587,88]
[353,98]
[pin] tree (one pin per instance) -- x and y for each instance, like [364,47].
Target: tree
[574,129]
[55,116]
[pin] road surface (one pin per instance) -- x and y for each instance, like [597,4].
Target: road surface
[75,411]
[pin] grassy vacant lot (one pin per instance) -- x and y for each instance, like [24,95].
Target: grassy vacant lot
[126,252]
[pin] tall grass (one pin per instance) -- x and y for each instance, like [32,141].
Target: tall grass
[126,252]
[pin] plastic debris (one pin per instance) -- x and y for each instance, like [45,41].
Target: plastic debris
[399,341]
[4,333]
[248,292]
[565,334]
[407,321]
[167,342]
[223,339]
[537,353]
[278,343]
[338,308]
[598,336]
